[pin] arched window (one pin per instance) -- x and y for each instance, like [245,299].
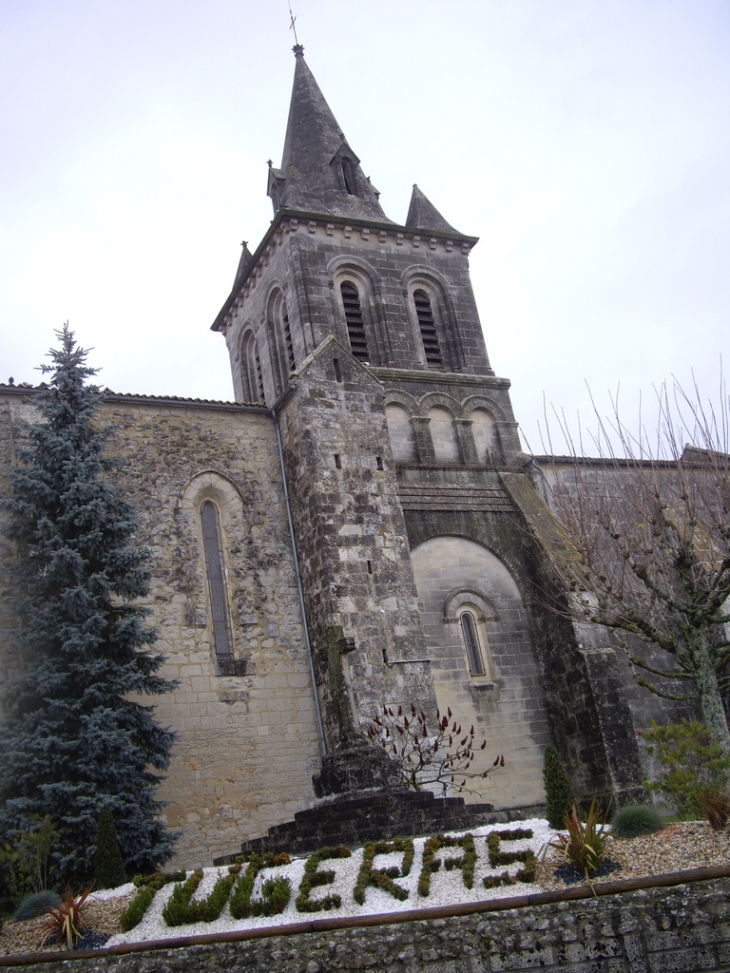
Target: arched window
[427,327]
[470,637]
[354,320]
[483,431]
[443,435]
[253,383]
[216,579]
[348,174]
[400,432]
[281,344]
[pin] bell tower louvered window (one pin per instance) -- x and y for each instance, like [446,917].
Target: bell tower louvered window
[288,341]
[216,580]
[354,320]
[427,326]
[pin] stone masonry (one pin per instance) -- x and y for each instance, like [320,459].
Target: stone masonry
[381,536]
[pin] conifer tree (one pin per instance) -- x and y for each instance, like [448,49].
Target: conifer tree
[74,737]
[558,790]
[108,862]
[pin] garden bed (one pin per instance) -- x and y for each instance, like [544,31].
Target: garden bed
[677,847]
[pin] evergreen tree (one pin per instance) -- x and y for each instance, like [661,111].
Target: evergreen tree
[72,741]
[558,791]
[108,862]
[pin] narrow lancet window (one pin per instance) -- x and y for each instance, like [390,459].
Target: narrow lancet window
[427,326]
[355,322]
[348,174]
[216,580]
[253,380]
[471,642]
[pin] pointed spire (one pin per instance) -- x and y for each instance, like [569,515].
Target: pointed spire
[243,263]
[423,215]
[319,171]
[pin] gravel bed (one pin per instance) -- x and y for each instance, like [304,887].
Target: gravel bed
[688,844]
[676,847]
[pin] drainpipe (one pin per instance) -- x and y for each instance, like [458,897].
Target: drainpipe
[274,415]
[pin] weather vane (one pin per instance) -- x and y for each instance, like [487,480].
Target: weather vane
[293,25]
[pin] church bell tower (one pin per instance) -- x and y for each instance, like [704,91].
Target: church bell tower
[411,500]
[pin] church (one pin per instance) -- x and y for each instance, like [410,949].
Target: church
[360,527]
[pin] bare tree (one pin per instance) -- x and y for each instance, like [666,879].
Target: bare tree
[648,547]
[443,758]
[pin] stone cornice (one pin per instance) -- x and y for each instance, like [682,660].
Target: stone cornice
[433,377]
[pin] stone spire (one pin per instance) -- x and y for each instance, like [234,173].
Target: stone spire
[244,262]
[423,215]
[319,171]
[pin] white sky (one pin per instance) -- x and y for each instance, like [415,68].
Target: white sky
[587,142]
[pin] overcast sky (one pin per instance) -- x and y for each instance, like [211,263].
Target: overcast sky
[586,142]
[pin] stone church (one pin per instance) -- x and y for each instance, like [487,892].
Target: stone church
[361,526]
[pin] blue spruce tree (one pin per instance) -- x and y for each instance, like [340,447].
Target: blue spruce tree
[74,737]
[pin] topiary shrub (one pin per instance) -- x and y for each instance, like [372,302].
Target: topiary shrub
[636,820]
[36,905]
[557,788]
[109,870]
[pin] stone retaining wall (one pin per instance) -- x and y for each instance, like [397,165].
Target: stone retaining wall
[680,929]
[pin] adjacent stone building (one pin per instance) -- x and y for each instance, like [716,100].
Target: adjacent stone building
[360,527]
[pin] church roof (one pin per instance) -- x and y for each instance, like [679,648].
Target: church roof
[320,172]
[423,215]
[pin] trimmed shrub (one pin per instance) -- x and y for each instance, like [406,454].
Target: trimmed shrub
[636,820]
[109,870]
[557,788]
[36,904]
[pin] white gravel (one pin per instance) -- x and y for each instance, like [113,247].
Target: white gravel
[447,887]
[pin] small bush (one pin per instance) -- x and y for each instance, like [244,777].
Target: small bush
[67,919]
[109,870]
[715,805]
[312,878]
[693,764]
[383,878]
[36,905]
[147,888]
[176,909]
[133,914]
[25,865]
[276,893]
[636,820]
[586,843]
[498,857]
[558,790]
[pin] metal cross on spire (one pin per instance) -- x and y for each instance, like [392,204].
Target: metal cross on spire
[293,26]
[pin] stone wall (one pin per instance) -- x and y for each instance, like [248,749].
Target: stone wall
[604,478]
[356,569]
[658,930]
[247,739]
